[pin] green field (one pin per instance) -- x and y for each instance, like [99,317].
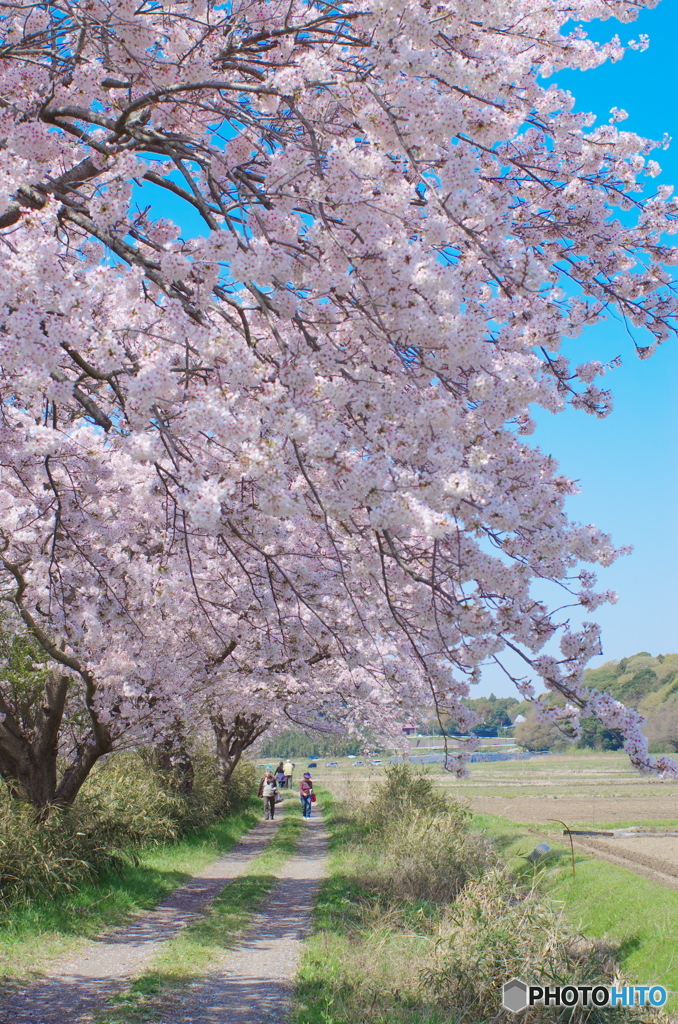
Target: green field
[513,802]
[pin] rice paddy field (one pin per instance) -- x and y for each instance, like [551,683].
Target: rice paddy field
[582,788]
[585,791]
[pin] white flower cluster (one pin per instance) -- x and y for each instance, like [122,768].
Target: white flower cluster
[278,291]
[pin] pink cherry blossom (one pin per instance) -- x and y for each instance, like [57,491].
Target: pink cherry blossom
[279,285]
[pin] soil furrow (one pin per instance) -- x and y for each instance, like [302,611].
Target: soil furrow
[647,867]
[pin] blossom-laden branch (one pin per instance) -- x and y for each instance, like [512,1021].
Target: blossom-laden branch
[303,406]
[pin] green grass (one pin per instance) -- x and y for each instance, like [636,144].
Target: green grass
[636,916]
[331,987]
[324,994]
[202,945]
[32,935]
[552,825]
[604,901]
[663,824]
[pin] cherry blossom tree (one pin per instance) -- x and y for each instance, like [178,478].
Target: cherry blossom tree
[310,265]
[141,630]
[81,581]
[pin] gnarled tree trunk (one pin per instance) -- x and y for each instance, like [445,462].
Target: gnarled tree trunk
[234,738]
[30,734]
[29,749]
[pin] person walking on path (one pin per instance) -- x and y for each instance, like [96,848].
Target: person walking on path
[280,775]
[306,794]
[268,789]
[288,768]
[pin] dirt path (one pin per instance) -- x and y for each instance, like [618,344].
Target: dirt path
[74,989]
[253,984]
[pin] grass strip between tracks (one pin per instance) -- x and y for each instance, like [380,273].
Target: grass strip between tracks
[201,946]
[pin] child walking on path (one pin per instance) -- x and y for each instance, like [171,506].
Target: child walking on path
[306,794]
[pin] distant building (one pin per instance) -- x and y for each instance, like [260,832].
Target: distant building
[409,729]
[518,719]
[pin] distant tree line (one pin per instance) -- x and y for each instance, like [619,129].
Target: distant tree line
[299,743]
[641,681]
[496,713]
[534,735]
[647,683]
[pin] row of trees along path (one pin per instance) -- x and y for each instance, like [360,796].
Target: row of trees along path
[251,984]
[280,284]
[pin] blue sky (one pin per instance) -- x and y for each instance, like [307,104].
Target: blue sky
[626,464]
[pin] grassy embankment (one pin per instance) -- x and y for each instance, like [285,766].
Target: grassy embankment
[33,935]
[603,901]
[420,921]
[201,946]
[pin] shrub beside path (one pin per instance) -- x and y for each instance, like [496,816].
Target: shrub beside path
[253,984]
[73,990]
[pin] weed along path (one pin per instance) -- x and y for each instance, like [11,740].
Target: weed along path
[252,985]
[75,989]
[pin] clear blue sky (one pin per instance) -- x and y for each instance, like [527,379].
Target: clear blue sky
[626,464]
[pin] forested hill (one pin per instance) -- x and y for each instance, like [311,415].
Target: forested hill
[641,681]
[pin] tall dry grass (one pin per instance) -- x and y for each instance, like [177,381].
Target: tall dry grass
[125,804]
[421,923]
[422,848]
[496,930]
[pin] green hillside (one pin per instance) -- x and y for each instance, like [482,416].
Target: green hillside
[648,684]
[640,681]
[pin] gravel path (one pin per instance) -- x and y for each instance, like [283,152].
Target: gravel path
[253,984]
[74,989]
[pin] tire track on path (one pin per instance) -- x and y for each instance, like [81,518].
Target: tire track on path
[75,989]
[253,984]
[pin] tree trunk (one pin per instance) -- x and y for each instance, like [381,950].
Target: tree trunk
[233,739]
[29,738]
[29,752]
[173,758]
[87,755]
